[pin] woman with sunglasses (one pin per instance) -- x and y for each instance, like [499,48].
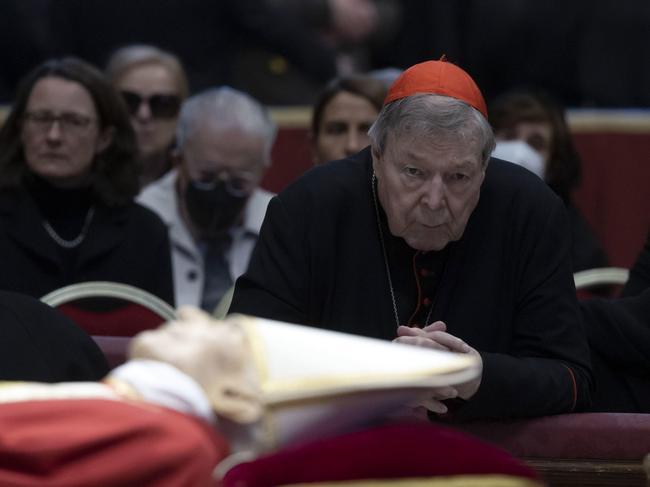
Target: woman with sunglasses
[153,85]
[68,178]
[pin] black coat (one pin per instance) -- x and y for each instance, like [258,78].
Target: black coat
[507,288]
[37,343]
[619,336]
[640,273]
[586,251]
[126,244]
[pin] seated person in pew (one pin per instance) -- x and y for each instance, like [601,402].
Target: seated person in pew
[212,202]
[533,119]
[153,84]
[68,179]
[619,336]
[423,239]
[342,115]
[241,387]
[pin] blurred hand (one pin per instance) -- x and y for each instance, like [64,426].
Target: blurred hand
[435,336]
[353,20]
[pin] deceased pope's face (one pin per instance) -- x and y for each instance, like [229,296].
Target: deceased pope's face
[214,353]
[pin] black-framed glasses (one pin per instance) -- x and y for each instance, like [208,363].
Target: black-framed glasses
[160,106]
[68,121]
[236,182]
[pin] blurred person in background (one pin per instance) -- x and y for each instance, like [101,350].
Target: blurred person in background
[619,336]
[352,29]
[341,117]
[212,202]
[208,36]
[68,178]
[153,84]
[534,118]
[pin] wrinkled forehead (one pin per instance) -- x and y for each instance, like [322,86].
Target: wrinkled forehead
[458,147]
[55,92]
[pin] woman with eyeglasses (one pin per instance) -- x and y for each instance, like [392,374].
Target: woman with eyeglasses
[68,178]
[153,84]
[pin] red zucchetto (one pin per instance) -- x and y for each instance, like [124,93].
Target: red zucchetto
[440,78]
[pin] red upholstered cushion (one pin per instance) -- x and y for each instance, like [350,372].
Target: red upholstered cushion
[607,436]
[115,349]
[127,319]
[389,452]
[89,442]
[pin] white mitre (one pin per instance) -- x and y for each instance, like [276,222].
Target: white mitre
[273,383]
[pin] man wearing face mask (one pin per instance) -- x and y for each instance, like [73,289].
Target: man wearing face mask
[211,202]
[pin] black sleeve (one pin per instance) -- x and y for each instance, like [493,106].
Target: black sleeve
[619,336]
[547,369]
[587,252]
[153,254]
[640,273]
[162,277]
[275,284]
[37,343]
[619,329]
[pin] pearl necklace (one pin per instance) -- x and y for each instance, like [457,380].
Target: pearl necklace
[383,248]
[75,242]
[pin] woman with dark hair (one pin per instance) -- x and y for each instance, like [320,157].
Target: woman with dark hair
[342,116]
[535,118]
[68,176]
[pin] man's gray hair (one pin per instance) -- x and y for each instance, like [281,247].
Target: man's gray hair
[225,108]
[432,116]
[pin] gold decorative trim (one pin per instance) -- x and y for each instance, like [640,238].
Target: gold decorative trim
[291,117]
[601,120]
[486,480]
[280,391]
[267,422]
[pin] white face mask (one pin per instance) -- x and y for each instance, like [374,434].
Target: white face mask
[520,153]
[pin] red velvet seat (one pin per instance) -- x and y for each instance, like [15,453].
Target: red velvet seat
[111,309]
[115,349]
[418,451]
[576,449]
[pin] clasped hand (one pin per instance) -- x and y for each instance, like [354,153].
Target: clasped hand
[435,336]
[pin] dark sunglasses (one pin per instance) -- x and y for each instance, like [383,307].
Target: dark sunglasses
[161,106]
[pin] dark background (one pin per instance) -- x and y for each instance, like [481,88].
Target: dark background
[593,53]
